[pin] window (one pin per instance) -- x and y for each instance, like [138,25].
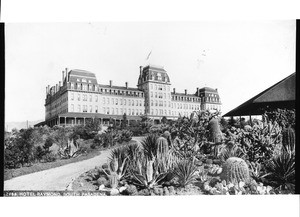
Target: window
[112,101]
[96,98]
[107,100]
[117,111]
[103,100]
[72,85]
[151,102]
[84,87]
[113,111]
[155,86]
[129,102]
[79,108]
[151,86]
[96,109]
[121,101]
[91,109]
[90,98]
[84,108]
[78,96]
[116,101]
[72,108]
[124,101]
[72,96]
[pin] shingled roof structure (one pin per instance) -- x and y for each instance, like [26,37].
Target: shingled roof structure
[280,95]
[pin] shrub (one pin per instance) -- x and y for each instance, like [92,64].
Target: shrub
[49,157]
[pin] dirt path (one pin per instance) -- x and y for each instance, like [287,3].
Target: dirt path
[58,178]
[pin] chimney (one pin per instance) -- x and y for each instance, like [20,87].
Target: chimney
[197,91]
[174,90]
[141,70]
[46,90]
[63,77]
[185,91]
[110,83]
[56,89]
[126,85]
[59,84]
[67,74]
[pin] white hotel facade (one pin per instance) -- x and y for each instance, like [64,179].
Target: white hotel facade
[79,97]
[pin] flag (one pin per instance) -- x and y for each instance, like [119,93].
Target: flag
[149,55]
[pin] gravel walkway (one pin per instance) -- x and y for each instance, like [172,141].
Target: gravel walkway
[58,178]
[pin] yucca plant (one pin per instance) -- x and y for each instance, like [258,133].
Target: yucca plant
[185,172]
[281,171]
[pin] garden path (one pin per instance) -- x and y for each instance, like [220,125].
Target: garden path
[56,179]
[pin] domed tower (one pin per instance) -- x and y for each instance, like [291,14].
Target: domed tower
[155,83]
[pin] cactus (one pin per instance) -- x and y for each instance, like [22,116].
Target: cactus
[162,146]
[235,170]
[215,134]
[288,139]
[113,180]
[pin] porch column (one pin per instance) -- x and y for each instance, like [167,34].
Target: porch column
[65,121]
[75,121]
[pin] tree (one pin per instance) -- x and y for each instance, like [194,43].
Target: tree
[164,120]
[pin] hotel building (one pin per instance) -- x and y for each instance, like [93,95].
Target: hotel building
[79,97]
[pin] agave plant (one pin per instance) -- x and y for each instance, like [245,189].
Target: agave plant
[118,161]
[146,173]
[149,145]
[185,172]
[231,150]
[281,171]
[256,171]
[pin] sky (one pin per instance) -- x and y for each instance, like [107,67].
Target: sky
[240,58]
